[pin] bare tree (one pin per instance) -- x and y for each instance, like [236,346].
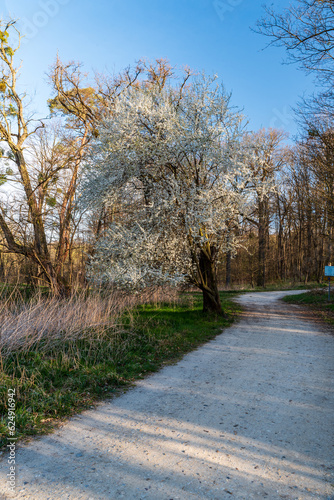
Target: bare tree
[306,30]
[15,130]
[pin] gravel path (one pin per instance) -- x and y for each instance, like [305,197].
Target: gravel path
[247,416]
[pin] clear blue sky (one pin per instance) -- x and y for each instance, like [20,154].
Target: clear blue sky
[209,35]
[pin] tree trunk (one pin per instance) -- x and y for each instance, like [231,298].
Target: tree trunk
[211,302]
[211,298]
[66,212]
[58,285]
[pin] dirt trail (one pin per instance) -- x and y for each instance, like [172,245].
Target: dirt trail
[247,416]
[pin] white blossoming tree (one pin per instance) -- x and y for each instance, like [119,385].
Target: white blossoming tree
[168,164]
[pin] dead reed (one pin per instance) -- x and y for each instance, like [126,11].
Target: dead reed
[48,321]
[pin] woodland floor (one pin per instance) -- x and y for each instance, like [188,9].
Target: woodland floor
[249,415]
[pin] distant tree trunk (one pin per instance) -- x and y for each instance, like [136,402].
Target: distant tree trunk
[308,264]
[208,285]
[263,239]
[280,253]
[329,243]
[228,268]
[2,267]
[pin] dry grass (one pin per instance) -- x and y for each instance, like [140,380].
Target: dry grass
[47,321]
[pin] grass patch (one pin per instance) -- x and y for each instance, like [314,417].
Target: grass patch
[56,379]
[21,292]
[317,301]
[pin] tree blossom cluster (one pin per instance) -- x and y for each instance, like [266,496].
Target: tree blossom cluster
[172,166]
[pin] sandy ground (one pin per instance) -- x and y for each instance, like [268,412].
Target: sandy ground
[247,416]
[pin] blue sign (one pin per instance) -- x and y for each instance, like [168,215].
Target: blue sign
[329,270]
